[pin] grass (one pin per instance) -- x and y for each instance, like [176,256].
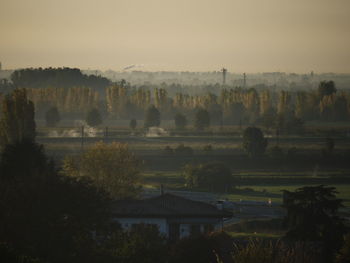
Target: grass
[246,235]
[264,184]
[261,192]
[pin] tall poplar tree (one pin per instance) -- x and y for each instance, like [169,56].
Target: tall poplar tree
[17,118]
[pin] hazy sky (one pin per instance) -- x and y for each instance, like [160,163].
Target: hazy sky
[193,35]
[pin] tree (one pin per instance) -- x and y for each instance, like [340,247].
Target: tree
[327,151]
[52,117]
[133,124]
[17,118]
[202,120]
[111,167]
[180,121]
[93,118]
[181,149]
[254,142]
[152,117]
[326,88]
[142,243]
[214,176]
[45,215]
[312,215]
[343,255]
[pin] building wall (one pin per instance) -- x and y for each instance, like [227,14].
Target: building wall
[127,222]
[163,224]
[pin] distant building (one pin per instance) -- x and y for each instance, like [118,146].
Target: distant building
[176,217]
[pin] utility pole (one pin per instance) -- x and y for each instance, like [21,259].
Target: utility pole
[82,137]
[224,71]
[244,80]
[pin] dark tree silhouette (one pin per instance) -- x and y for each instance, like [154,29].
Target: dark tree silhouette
[56,77]
[254,142]
[326,88]
[312,215]
[202,119]
[93,118]
[214,176]
[152,117]
[45,215]
[17,118]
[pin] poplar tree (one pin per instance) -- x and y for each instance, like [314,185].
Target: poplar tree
[17,118]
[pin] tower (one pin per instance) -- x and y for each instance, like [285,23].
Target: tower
[224,71]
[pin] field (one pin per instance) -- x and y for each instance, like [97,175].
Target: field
[259,179]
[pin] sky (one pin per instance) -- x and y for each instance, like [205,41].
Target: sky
[177,35]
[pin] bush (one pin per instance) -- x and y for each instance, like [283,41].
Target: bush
[168,150]
[214,176]
[254,142]
[181,149]
[208,148]
[93,118]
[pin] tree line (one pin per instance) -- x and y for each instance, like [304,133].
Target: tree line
[233,106]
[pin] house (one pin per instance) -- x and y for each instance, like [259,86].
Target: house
[175,216]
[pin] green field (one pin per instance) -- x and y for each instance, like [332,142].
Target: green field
[261,179]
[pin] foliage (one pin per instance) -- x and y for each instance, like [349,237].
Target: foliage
[93,118]
[231,107]
[326,88]
[133,124]
[180,121]
[44,215]
[343,255]
[208,148]
[52,117]
[56,77]
[152,117]
[111,167]
[312,215]
[17,118]
[260,251]
[196,249]
[202,119]
[168,150]
[10,255]
[142,243]
[74,101]
[214,176]
[254,142]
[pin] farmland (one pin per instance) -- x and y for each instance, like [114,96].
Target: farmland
[256,179]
